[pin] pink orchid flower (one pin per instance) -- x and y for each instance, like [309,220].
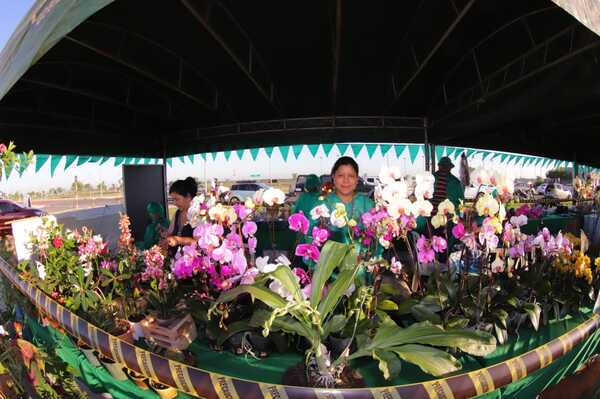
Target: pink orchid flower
[298,222]
[308,251]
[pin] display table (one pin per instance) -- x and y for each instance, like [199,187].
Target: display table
[554,223]
[521,368]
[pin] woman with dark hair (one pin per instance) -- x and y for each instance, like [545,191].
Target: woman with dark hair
[180,232]
[345,181]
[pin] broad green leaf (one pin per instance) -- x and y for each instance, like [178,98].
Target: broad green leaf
[263,294]
[387,305]
[533,311]
[430,360]
[260,317]
[513,301]
[331,256]
[405,306]
[457,322]
[501,334]
[291,326]
[333,325]
[422,313]
[389,364]
[474,342]
[501,315]
[336,291]
[286,277]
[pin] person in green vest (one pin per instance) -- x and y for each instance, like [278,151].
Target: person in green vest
[310,197]
[446,185]
[157,226]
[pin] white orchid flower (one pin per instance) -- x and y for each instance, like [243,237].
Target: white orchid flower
[395,190]
[439,220]
[446,207]
[263,265]
[422,208]
[400,207]
[338,216]
[319,211]
[389,175]
[273,196]
[487,206]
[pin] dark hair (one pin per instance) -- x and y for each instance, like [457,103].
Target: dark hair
[184,187]
[344,161]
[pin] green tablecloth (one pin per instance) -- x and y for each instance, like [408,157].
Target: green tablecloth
[554,223]
[275,235]
[272,368]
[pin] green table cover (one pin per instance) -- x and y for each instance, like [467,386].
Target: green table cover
[554,223]
[272,368]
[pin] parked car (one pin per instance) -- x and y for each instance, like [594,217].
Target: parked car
[10,211]
[239,192]
[298,187]
[541,189]
[557,191]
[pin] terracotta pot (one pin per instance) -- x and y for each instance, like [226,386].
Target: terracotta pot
[114,368]
[139,379]
[165,392]
[90,353]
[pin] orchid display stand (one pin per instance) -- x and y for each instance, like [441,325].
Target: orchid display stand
[176,335]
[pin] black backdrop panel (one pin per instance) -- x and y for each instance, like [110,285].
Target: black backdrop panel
[142,184]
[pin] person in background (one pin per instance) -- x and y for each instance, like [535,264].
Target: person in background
[180,233]
[310,197]
[157,227]
[446,185]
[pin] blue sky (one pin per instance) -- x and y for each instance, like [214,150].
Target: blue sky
[11,12]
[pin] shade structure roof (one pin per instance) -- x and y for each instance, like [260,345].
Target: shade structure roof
[174,77]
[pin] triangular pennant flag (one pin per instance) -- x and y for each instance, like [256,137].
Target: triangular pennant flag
[128,160]
[384,148]
[146,161]
[313,149]
[138,161]
[191,158]
[227,155]
[342,148]
[356,148]
[40,160]
[399,149]
[170,162]
[371,150]
[181,159]
[413,150]
[119,161]
[254,153]
[297,150]
[439,152]
[450,152]
[94,158]
[240,154]
[22,164]
[269,151]
[54,161]
[285,152]
[103,160]
[8,169]
[327,149]
[69,159]
[503,157]
[82,159]
[470,152]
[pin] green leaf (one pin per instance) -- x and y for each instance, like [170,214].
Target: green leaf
[431,360]
[291,326]
[501,334]
[334,325]
[422,313]
[336,291]
[263,294]
[513,301]
[331,256]
[389,364]
[476,343]
[405,306]
[387,305]
[533,311]
[457,322]
[286,277]
[501,315]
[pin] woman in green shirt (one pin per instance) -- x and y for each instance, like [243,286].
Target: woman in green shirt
[345,181]
[158,224]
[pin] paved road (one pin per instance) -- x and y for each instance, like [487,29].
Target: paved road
[66,204]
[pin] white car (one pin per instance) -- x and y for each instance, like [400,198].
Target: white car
[557,191]
[541,189]
[239,192]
